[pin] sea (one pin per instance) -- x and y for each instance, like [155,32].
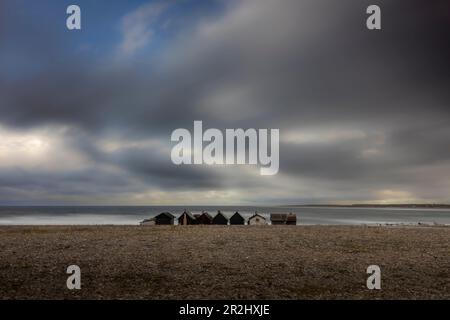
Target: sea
[133,215]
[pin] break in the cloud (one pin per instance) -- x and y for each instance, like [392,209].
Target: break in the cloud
[138,26]
[86,116]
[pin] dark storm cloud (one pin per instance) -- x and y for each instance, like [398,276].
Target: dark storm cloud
[91,181]
[164,173]
[345,73]
[147,164]
[293,71]
[358,158]
[154,169]
[262,64]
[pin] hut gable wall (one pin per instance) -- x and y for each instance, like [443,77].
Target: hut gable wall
[237,219]
[220,219]
[256,220]
[164,218]
[204,218]
[186,218]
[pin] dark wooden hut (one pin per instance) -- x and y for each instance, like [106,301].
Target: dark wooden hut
[291,219]
[186,218]
[278,218]
[283,218]
[237,219]
[164,218]
[204,218]
[220,218]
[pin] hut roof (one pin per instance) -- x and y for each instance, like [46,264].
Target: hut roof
[237,215]
[278,217]
[167,214]
[206,214]
[291,217]
[220,218]
[219,213]
[256,215]
[188,214]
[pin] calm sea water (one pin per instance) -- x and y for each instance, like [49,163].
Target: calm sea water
[132,215]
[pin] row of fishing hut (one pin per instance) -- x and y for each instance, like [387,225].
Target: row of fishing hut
[204,218]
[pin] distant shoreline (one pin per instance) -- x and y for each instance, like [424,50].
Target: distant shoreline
[409,206]
[365,205]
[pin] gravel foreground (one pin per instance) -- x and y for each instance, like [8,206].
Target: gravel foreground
[224,262]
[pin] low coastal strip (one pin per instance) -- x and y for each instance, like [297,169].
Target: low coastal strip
[225,262]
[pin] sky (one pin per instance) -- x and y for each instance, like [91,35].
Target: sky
[86,115]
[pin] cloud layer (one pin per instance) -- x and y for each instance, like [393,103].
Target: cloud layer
[363,115]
